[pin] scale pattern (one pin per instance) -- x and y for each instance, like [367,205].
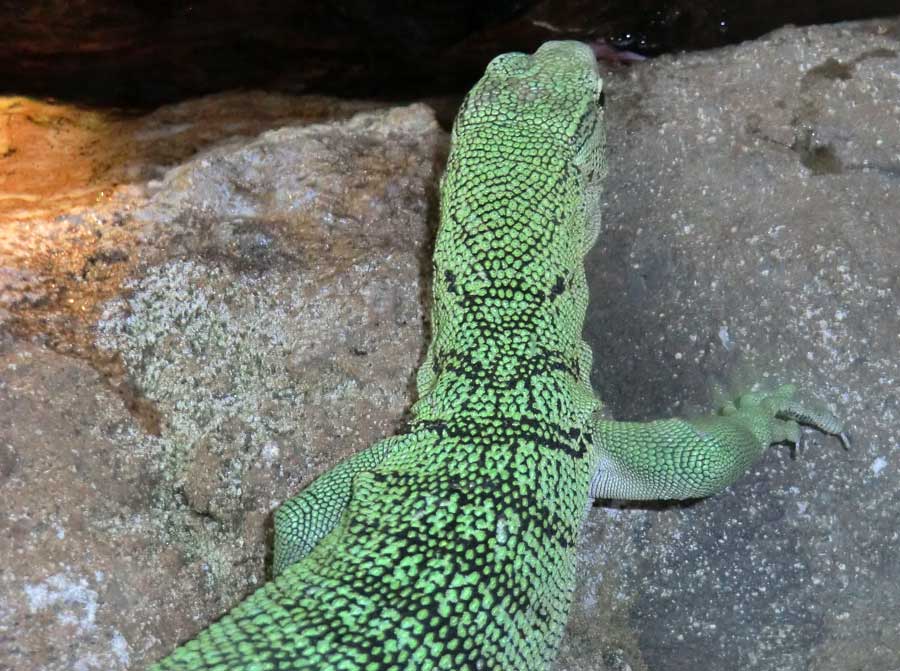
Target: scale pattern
[451,546]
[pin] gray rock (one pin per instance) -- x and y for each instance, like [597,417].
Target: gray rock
[750,235]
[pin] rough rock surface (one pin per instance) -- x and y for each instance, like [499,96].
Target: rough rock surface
[270,324]
[750,234]
[272,316]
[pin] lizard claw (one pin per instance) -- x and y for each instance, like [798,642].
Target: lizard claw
[786,414]
[844,437]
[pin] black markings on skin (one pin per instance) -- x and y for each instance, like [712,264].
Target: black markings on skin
[450,281]
[571,441]
[557,288]
[541,362]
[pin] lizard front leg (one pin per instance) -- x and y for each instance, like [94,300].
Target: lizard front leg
[681,459]
[302,521]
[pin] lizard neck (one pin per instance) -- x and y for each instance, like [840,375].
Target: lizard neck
[510,293]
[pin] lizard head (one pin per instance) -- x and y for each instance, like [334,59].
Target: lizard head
[544,111]
[520,196]
[555,94]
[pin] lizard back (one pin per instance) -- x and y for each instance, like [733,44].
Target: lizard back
[456,551]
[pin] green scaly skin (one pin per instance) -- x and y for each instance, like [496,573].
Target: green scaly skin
[452,545]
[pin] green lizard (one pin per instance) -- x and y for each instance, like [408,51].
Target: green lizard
[452,545]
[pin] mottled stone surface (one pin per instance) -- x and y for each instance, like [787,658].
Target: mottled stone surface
[269,324]
[71,180]
[248,306]
[750,234]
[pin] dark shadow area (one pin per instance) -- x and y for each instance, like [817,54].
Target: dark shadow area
[141,54]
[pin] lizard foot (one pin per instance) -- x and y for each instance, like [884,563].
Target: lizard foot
[784,415]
